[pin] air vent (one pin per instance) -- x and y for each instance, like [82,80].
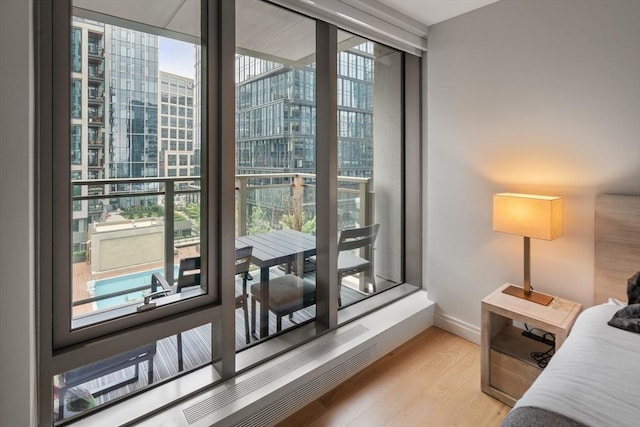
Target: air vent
[312,390]
[253,383]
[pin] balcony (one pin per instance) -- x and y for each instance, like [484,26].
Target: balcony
[95,97]
[95,51]
[171,207]
[97,141]
[96,120]
[96,74]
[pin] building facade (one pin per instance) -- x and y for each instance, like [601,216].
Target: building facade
[114,110]
[177,149]
[276,123]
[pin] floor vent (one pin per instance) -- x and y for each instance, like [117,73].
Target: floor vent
[312,390]
[251,384]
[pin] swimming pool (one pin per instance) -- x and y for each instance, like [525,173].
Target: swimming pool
[122,283]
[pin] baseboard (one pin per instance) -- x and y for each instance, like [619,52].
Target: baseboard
[457,327]
[271,392]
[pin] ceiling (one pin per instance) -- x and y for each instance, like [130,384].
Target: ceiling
[178,15]
[430,12]
[263,29]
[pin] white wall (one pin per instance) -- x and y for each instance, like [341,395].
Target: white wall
[530,96]
[17,300]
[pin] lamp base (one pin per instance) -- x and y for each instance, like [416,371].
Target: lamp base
[536,297]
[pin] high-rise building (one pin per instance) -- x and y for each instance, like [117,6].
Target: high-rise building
[132,83]
[276,123]
[114,106]
[176,100]
[276,115]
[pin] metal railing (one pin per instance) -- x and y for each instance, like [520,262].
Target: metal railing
[170,187]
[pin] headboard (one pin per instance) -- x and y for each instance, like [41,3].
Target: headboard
[617,245]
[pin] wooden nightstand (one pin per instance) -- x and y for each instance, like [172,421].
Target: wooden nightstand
[507,366]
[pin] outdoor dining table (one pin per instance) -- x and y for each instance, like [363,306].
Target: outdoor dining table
[289,247]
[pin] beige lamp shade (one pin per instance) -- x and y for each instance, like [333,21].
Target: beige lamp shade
[528,215]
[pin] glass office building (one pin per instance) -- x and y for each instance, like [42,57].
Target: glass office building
[133,105]
[275,115]
[276,122]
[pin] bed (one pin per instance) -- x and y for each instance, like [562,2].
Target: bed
[594,378]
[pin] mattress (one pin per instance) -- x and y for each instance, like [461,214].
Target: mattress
[594,378]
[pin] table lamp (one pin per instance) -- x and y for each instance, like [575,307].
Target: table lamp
[530,216]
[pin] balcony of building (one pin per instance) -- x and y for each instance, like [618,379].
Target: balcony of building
[160,207]
[96,71]
[95,94]
[96,116]
[95,52]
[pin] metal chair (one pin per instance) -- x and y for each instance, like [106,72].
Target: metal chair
[189,275]
[363,239]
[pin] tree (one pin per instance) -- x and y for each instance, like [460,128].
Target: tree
[258,222]
[309,227]
[294,215]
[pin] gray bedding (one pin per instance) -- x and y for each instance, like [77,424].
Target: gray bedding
[593,379]
[530,416]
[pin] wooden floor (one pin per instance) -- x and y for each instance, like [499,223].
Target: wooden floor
[432,380]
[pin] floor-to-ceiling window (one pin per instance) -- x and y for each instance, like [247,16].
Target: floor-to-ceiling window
[179,149]
[275,151]
[134,245]
[370,166]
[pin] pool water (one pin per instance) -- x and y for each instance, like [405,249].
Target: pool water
[121,283]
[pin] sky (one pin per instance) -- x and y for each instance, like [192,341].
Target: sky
[177,57]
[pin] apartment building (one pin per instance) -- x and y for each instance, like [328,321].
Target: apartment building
[114,112]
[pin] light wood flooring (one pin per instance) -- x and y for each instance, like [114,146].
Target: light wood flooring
[432,380]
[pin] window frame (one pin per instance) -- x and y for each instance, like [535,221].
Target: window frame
[60,348]
[90,344]
[63,334]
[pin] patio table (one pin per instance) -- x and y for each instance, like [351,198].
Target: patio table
[275,248]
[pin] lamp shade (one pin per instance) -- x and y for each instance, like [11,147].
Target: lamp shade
[528,215]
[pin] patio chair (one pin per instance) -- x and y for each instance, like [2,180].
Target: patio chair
[362,238]
[287,294]
[189,276]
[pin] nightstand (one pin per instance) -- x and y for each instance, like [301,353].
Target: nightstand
[507,366]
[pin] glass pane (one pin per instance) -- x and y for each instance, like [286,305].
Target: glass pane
[369,167]
[275,163]
[96,384]
[130,219]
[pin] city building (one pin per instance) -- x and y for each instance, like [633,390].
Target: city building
[114,110]
[177,150]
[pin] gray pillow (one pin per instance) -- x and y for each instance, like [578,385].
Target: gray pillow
[627,318]
[633,289]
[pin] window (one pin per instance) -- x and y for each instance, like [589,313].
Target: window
[76,50]
[285,208]
[76,99]
[114,230]
[136,210]
[76,145]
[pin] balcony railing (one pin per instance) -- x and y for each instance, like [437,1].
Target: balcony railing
[176,191]
[95,51]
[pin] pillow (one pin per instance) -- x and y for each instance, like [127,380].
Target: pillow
[615,301]
[633,289]
[627,318]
